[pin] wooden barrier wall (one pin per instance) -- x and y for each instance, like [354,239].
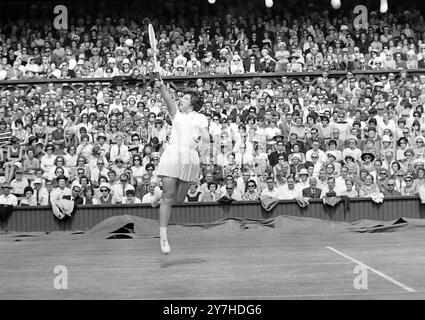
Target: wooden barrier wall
[27,219]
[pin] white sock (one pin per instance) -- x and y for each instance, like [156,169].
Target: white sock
[163,233]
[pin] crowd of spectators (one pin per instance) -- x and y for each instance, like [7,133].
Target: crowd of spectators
[361,136]
[97,45]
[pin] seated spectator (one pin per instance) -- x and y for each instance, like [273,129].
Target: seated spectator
[119,190]
[19,184]
[88,196]
[252,193]
[350,190]
[7,199]
[231,193]
[389,189]
[290,191]
[409,189]
[212,193]
[130,197]
[369,188]
[106,197]
[193,194]
[311,191]
[29,199]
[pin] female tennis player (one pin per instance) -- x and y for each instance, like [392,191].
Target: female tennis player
[180,163]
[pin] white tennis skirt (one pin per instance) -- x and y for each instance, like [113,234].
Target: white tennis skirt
[179,162]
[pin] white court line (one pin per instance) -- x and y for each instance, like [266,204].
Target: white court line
[379,273]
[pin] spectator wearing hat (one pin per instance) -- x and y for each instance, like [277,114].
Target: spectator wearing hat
[279,152]
[101,139]
[106,198]
[40,192]
[352,148]
[367,161]
[302,179]
[267,63]
[295,163]
[410,188]
[61,191]
[19,183]
[7,199]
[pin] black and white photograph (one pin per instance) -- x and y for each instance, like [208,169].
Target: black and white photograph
[213,155]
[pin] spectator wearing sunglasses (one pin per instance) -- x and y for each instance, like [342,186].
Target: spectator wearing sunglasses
[106,198]
[231,192]
[410,188]
[252,193]
[389,189]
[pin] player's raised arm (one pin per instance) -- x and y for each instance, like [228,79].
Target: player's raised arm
[171,105]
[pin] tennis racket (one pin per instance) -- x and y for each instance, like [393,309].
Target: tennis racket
[153,42]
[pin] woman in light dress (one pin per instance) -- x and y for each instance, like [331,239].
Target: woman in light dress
[180,163]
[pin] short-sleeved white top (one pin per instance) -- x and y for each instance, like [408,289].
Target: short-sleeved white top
[187,128]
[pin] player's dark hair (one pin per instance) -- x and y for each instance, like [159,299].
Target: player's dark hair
[196,99]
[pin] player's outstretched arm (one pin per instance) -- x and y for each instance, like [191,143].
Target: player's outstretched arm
[171,105]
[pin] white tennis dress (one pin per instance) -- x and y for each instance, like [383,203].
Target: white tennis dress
[180,159]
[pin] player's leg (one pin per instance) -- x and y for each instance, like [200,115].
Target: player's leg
[169,187]
[182,189]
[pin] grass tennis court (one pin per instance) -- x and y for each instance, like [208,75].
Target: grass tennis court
[299,258]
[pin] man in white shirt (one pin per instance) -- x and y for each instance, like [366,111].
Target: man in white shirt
[99,170]
[7,198]
[40,193]
[119,190]
[119,150]
[340,186]
[330,188]
[62,191]
[242,182]
[148,197]
[19,183]
[271,190]
[315,150]
[290,191]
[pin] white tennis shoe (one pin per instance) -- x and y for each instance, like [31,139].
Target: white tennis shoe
[165,246]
